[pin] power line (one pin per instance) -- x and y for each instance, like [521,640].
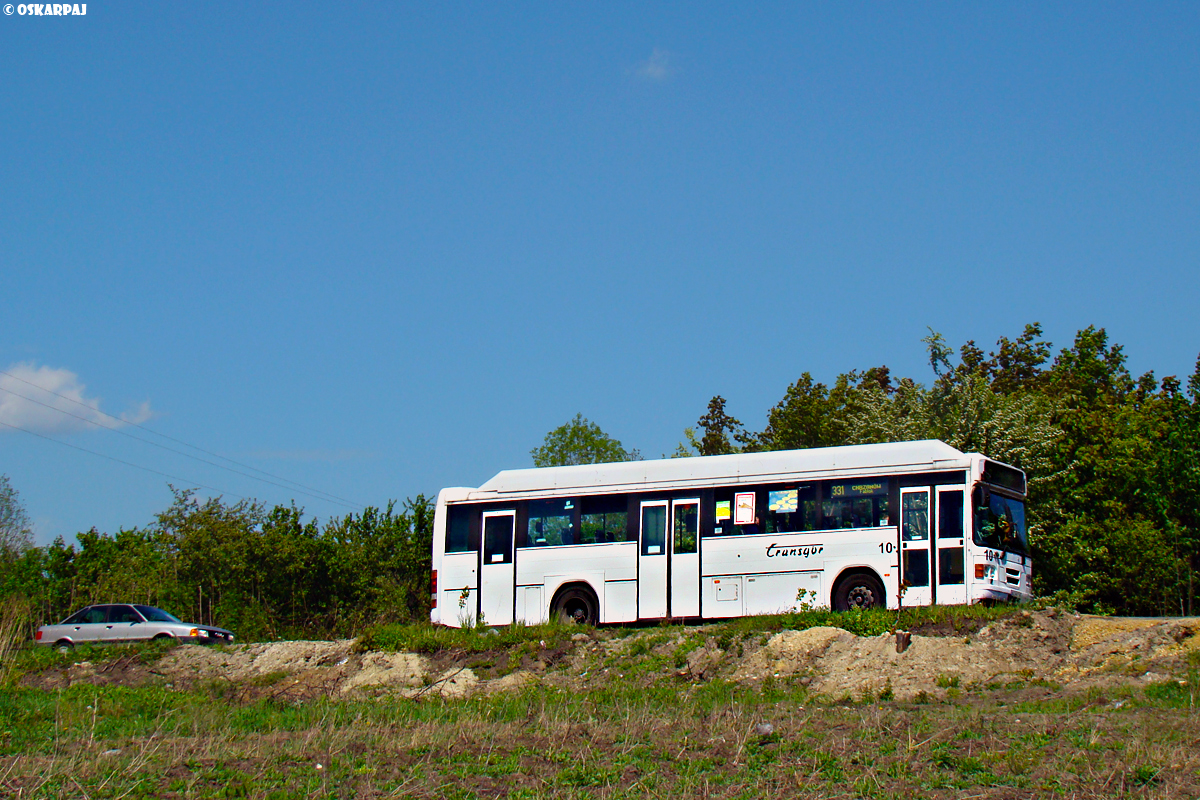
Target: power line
[119,461]
[329,498]
[348,503]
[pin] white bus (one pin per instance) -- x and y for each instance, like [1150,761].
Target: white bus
[728,536]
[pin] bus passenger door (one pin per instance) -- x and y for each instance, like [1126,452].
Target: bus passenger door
[652,561]
[685,558]
[497,576]
[951,566]
[914,546]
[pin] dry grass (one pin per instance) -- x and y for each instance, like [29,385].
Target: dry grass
[716,740]
[642,724]
[14,631]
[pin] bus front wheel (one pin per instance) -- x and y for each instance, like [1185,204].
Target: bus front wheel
[859,590]
[577,605]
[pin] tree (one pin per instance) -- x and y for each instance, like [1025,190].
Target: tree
[812,415]
[1018,364]
[803,418]
[16,535]
[689,447]
[966,414]
[579,441]
[718,429]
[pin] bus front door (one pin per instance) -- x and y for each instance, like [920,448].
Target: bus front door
[914,546]
[497,575]
[652,561]
[669,559]
[684,574]
[951,565]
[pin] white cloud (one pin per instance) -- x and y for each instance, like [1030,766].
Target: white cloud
[143,414]
[657,68]
[48,400]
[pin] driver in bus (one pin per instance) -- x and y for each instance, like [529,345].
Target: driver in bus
[1007,528]
[986,522]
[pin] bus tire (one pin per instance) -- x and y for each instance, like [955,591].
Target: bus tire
[576,604]
[858,590]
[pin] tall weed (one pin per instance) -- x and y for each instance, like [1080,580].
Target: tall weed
[15,620]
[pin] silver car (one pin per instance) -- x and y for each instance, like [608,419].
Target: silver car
[126,623]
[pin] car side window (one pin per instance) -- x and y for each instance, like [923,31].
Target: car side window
[95,615]
[78,618]
[123,614]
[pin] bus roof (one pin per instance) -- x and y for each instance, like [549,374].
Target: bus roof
[924,456]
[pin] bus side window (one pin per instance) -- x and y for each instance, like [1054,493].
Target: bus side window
[551,522]
[458,529]
[883,517]
[791,509]
[861,503]
[603,519]
[725,512]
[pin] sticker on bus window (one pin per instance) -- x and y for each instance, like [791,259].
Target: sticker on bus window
[722,510]
[743,508]
[783,502]
[653,549]
[497,557]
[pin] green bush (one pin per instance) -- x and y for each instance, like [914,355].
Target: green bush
[262,574]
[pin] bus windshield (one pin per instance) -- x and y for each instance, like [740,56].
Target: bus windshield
[1000,522]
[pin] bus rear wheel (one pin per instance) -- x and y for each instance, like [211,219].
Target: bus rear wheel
[859,590]
[578,606]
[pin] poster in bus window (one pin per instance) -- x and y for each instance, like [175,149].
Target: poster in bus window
[784,501]
[743,508]
[722,510]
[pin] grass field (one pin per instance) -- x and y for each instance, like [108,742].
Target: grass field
[646,729]
[710,740]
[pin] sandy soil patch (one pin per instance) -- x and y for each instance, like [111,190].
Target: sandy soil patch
[1076,652]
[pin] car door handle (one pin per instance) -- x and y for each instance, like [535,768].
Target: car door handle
[109,627]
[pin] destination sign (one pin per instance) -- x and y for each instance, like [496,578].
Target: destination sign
[858,489]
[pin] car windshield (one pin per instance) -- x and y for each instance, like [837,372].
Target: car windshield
[153,614]
[1000,522]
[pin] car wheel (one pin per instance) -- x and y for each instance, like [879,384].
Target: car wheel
[578,606]
[64,645]
[859,590]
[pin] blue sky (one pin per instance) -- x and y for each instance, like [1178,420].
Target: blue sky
[379,249]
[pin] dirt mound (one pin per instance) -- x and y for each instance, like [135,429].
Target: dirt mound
[790,652]
[299,670]
[1046,647]
[1069,650]
[837,663]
